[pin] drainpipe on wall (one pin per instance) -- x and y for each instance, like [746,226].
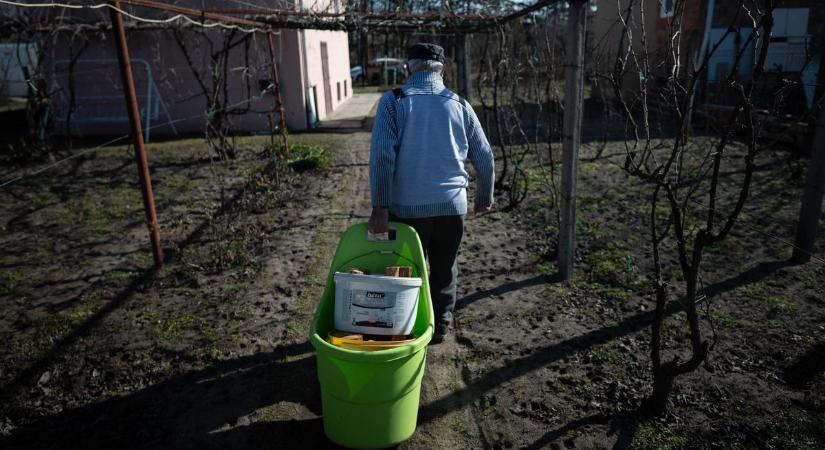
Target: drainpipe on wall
[312,117]
[706,37]
[704,47]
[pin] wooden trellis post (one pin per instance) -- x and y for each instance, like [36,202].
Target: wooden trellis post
[463,67]
[573,100]
[811,209]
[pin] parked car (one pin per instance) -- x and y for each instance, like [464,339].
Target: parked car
[390,62]
[386,71]
[357,74]
[380,71]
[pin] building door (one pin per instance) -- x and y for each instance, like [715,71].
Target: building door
[325,70]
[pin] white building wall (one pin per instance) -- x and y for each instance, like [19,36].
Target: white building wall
[339,87]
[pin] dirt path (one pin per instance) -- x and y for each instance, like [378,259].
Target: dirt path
[347,204]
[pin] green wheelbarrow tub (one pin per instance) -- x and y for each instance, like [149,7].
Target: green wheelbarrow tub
[370,398]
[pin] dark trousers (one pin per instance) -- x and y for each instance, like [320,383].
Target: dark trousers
[440,236]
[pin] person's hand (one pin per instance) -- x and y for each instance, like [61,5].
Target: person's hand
[482,209]
[379,221]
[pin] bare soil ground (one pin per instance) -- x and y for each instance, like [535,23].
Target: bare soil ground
[211,351]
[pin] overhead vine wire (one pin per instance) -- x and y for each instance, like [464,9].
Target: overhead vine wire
[168,20]
[309,18]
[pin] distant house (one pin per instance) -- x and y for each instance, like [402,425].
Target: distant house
[607,38]
[16,58]
[792,53]
[177,71]
[797,24]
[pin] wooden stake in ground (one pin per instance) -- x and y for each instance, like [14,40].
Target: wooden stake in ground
[811,209]
[279,104]
[573,99]
[137,132]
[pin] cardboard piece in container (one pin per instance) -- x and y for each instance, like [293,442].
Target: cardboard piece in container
[398,271]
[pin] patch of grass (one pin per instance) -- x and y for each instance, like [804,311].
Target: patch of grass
[656,435]
[463,430]
[757,291]
[585,389]
[168,326]
[9,281]
[546,269]
[210,343]
[303,157]
[615,293]
[51,329]
[662,212]
[558,291]
[730,243]
[722,318]
[551,229]
[538,180]
[773,324]
[780,306]
[229,251]
[608,358]
[777,305]
[593,231]
[604,354]
[118,275]
[800,430]
[717,253]
[614,268]
[234,309]
[143,259]
[293,331]
[814,278]
[95,215]
[598,169]
[262,142]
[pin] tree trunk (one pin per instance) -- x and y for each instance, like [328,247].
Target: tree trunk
[663,379]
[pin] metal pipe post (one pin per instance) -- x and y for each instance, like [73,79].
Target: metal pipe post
[573,100]
[137,133]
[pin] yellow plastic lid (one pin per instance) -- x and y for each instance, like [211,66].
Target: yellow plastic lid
[356,342]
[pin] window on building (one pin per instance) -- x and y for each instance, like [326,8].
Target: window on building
[338,90]
[346,92]
[668,7]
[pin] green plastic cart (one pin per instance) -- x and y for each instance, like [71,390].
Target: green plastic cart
[370,398]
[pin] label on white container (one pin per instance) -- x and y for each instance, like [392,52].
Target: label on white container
[372,308]
[375,304]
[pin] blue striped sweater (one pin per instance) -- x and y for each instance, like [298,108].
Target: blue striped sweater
[420,144]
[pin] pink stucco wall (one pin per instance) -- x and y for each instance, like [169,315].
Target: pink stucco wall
[98,93]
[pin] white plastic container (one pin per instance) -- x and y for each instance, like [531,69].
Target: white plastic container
[375,304]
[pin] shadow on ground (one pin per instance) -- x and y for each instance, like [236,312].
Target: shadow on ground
[203,409]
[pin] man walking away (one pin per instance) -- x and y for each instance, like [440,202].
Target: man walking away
[422,137]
